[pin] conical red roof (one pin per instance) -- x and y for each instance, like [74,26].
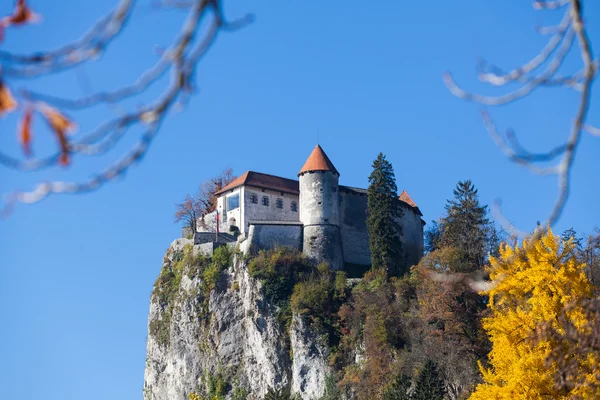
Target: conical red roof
[318,161]
[407,199]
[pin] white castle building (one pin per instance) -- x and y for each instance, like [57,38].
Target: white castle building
[315,214]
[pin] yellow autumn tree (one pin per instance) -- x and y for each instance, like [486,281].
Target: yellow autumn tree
[533,284]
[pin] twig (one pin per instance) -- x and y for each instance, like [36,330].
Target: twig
[181,59]
[89,46]
[554,53]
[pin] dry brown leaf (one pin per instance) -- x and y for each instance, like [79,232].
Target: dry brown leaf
[61,125]
[21,15]
[25,135]
[7,101]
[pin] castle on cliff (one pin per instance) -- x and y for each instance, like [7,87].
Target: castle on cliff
[314,214]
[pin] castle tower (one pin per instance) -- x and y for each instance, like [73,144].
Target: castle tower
[319,209]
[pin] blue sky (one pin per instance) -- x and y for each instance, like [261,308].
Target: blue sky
[77,271]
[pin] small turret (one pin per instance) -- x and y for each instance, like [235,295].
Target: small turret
[319,209]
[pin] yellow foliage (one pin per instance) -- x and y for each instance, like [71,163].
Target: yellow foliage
[533,283]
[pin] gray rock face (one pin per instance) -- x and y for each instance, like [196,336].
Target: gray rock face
[232,331]
[309,365]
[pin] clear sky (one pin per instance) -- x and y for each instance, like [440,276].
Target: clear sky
[77,271]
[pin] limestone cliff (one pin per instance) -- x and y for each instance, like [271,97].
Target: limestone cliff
[213,326]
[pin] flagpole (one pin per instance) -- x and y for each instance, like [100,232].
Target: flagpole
[217,231]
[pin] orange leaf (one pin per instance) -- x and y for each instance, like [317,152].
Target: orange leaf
[25,131]
[58,121]
[7,101]
[64,148]
[61,125]
[21,15]
[65,159]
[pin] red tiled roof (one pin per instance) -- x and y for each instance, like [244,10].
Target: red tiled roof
[263,181]
[318,161]
[405,197]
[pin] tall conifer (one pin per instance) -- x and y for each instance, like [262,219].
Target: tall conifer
[383,220]
[430,384]
[466,227]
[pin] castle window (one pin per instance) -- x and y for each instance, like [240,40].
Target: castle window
[233,202]
[265,201]
[294,206]
[253,198]
[279,203]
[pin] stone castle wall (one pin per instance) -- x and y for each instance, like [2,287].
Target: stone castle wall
[412,236]
[260,212]
[353,227]
[267,235]
[319,212]
[324,243]
[319,201]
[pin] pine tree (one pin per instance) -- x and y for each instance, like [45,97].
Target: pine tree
[433,234]
[398,389]
[466,227]
[383,220]
[430,385]
[332,390]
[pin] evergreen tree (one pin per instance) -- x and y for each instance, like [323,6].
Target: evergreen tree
[430,385]
[494,238]
[466,227]
[433,234]
[571,234]
[278,394]
[398,389]
[332,390]
[383,220]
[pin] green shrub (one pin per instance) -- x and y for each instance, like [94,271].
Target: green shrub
[239,393]
[312,297]
[278,394]
[220,261]
[397,389]
[319,298]
[332,390]
[278,270]
[217,386]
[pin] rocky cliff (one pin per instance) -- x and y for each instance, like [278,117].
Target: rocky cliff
[210,328]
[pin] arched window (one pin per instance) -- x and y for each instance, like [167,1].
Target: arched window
[294,206]
[279,203]
[265,201]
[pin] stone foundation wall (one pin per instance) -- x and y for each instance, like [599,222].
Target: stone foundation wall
[353,227]
[206,237]
[275,233]
[324,243]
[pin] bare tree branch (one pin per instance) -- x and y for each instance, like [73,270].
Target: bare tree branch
[553,54]
[591,130]
[89,46]
[180,59]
